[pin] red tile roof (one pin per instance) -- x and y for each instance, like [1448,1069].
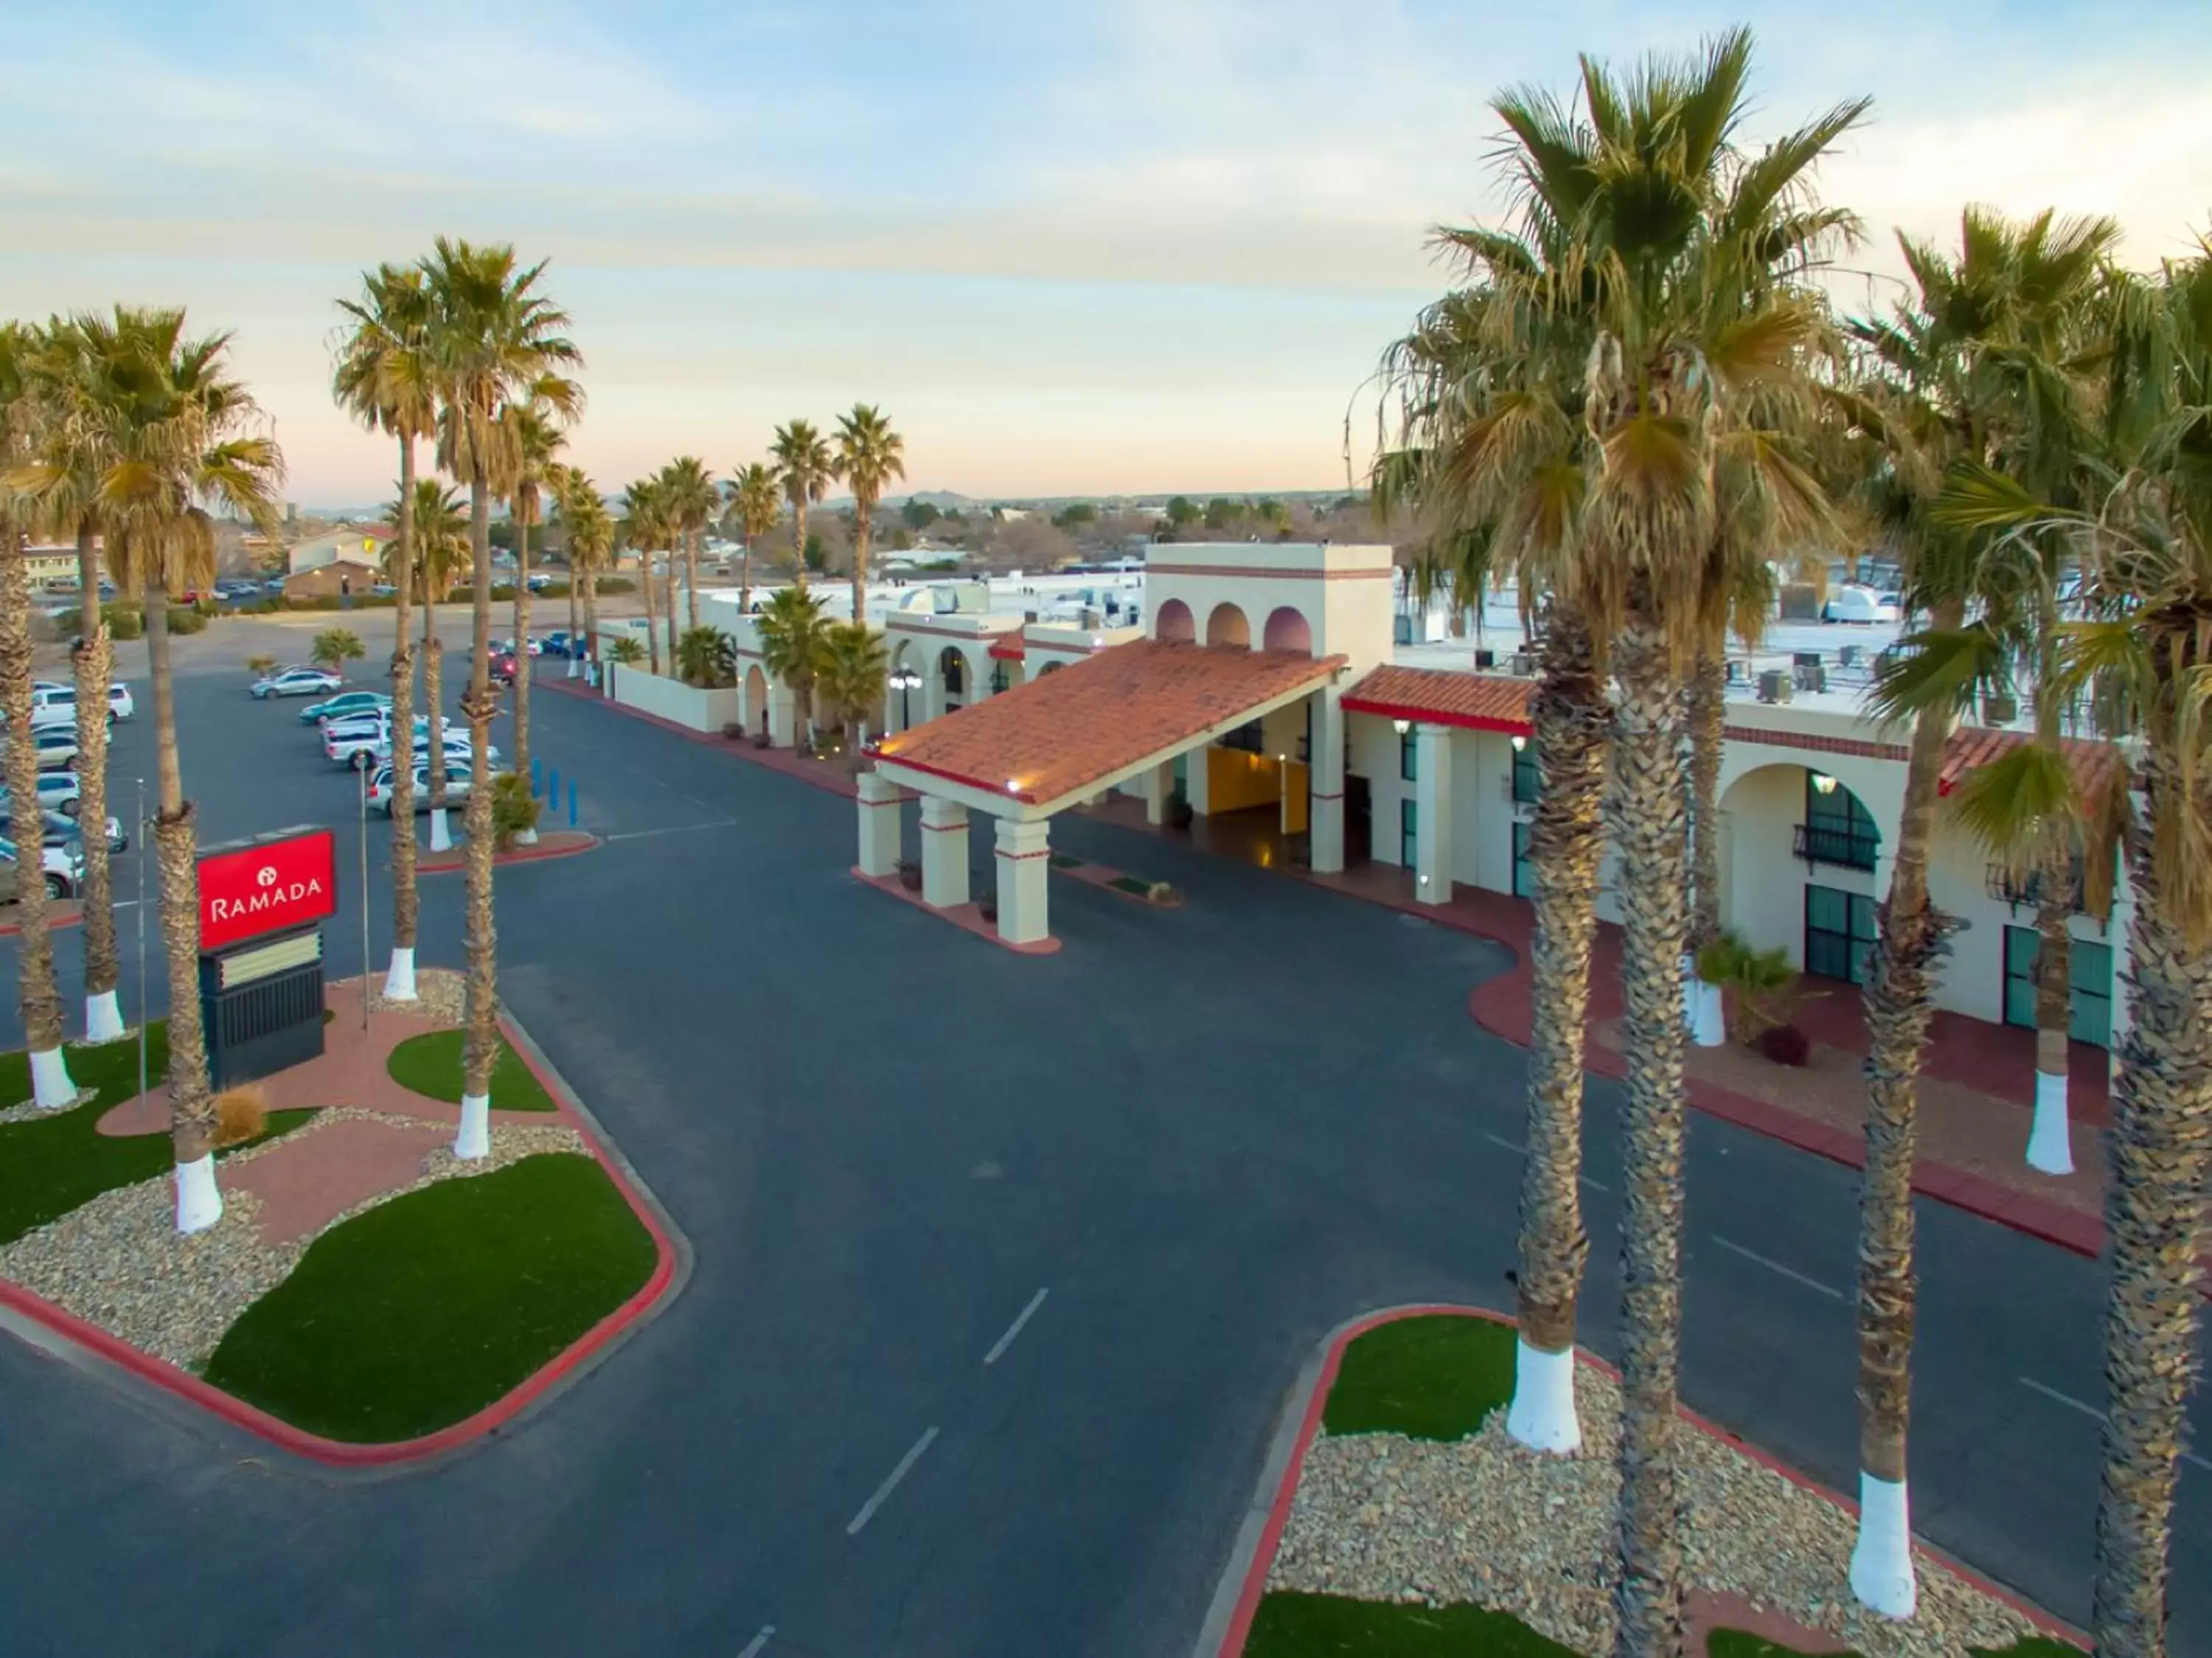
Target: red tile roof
[1973,747]
[1056,733]
[1479,702]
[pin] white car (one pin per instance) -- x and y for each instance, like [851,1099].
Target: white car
[295,682]
[1860,605]
[353,739]
[64,868]
[58,791]
[119,705]
[457,746]
[457,785]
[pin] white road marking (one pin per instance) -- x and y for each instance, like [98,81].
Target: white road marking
[2093,1412]
[868,1509]
[1789,1273]
[751,1648]
[1520,1150]
[1595,1186]
[677,829]
[1015,1328]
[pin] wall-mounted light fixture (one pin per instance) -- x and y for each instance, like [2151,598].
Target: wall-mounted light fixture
[1823,783]
[1519,743]
[1402,726]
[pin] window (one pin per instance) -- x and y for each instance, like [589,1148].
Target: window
[1527,781]
[2089,1011]
[1409,833]
[1409,765]
[998,679]
[1524,869]
[1245,736]
[1837,829]
[1838,932]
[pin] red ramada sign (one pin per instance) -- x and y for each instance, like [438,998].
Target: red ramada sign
[267,888]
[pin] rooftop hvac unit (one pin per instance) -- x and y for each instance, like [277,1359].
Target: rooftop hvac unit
[1810,676]
[1522,665]
[1774,687]
[1485,659]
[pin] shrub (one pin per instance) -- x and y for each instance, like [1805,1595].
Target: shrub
[334,646]
[987,906]
[1163,892]
[261,666]
[1759,983]
[733,729]
[909,874]
[707,658]
[514,808]
[1785,1044]
[617,584]
[763,738]
[126,624]
[69,621]
[625,650]
[1180,814]
[186,621]
[241,1114]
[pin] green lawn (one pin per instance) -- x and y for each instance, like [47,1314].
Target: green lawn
[1429,1378]
[427,1308]
[1130,884]
[51,1165]
[1062,861]
[431,1065]
[1290,1625]
[1735,1643]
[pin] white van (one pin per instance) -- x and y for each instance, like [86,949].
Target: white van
[1860,605]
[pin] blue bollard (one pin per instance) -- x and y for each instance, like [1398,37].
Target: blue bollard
[533,776]
[572,802]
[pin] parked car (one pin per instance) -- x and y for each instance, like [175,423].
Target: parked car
[538,583]
[62,830]
[274,584]
[356,739]
[120,704]
[562,643]
[295,682]
[1860,604]
[456,745]
[506,647]
[346,702]
[503,669]
[457,784]
[63,869]
[57,745]
[57,792]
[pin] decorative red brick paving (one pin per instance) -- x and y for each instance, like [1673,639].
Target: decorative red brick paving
[311,1176]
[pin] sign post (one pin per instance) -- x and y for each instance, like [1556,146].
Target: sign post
[262,903]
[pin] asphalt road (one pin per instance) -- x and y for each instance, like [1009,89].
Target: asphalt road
[1208,1135]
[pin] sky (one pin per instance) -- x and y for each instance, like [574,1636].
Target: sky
[1117,247]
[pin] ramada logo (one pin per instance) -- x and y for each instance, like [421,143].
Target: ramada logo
[274,892]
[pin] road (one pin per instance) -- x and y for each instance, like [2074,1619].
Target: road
[1005,1265]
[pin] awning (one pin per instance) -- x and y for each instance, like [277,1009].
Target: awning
[1473,702]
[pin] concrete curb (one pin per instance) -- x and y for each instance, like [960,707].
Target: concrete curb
[176,1394]
[61,912]
[540,854]
[1229,1622]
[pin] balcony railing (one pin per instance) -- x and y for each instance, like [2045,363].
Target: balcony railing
[2020,892]
[1846,848]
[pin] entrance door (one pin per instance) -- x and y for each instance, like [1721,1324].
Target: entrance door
[1840,933]
[1358,820]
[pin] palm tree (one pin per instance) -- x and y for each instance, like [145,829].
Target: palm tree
[644,526]
[180,429]
[588,531]
[1958,373]
[870,454]
[792,628]
[69,366]
[852,669]
[38,996]
[692,497]
[757,499]
[494,339]
[805,467]
[533,439]
[382,378]
[439,536]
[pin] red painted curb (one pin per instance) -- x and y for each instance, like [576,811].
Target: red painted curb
[60,913]
[520,855]
[343,1453]
[1279,1514]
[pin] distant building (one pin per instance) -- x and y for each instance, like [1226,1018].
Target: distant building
[52,564]
[361,545]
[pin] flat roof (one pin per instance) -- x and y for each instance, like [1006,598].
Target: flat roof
[1059,732]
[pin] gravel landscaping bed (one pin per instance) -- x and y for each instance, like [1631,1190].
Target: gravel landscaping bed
[118,1261]
[441,994]
[1482,1520]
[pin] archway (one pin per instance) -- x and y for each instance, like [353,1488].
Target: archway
[755,711]
[1798,852]
[1175,623]
[1226,626]
[1288,629]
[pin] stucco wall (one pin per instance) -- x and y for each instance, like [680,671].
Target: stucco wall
[672,699]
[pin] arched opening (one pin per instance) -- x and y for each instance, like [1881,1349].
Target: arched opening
[1227,626]
[1175,623]
[1798,856]
[952,673]
[1287,630]
[755,699]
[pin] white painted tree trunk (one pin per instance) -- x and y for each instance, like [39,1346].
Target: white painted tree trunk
[1882,1562]
[400,978]
[51,1087]
[199,1205]
[1542,1414]
[441,832]
[526,838]
[1706,1011]
[474,1139]
[103,1019]
[2051,1138]
[576,665]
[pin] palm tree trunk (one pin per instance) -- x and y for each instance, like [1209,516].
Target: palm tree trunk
[399,978]
[799,539]
[39,996]
[433,703]
[591,616]
[2049,1141]
[691,577]
[1899,1005]
[745,579]
[522,656]
[1565,845]
[95,667]
[668,603]
[1708,707]
[2161,1148]
[1645,798]
[651,612]
[482,1016]
[863,526]
[192,1109]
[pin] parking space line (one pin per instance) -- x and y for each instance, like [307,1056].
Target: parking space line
[1789,1273]
[868,1509]
[1520,1150]
[751,1648]
[2091,1412]
[1015,1328]
[673,829]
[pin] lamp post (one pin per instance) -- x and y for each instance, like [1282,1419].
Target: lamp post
[905,680]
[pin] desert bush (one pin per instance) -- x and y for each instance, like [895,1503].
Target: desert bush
[1759,984]
[261,666]
[514,808]
[733,729]
[1163,892]
[185,621]
[126,624]
[241,1114]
